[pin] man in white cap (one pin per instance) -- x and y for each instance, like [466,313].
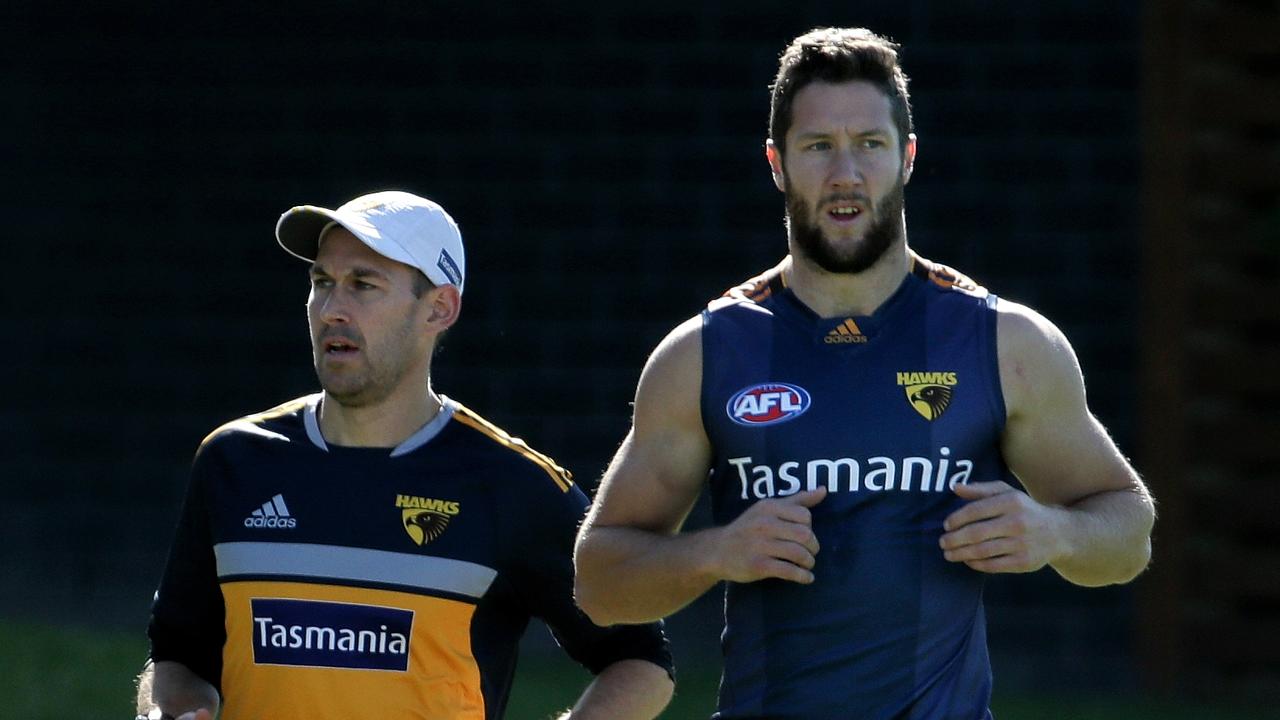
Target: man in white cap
[377,549]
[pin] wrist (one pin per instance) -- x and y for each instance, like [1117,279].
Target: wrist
[709,567]
[1064,545]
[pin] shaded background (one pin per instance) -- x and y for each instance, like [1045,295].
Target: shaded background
[1113,164]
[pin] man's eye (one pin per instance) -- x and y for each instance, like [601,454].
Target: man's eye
[819,146]
[362,285]
[872,143]
[320,282]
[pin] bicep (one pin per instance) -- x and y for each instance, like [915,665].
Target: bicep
[657,473]
[1052,442]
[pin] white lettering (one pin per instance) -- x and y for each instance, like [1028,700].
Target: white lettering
[941,478]
[963,476]
[347,640]
[832,468]
[926,473]
[882,473]
[311,637]
[761,404]
[885,475]
[741,464]
[320,637]
[785,473]
[763,486]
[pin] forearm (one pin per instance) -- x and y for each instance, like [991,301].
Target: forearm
[626,690]
[1107,538]
[627,575]
[174,689]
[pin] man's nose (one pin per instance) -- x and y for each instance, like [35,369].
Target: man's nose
[846,171]
[335,307]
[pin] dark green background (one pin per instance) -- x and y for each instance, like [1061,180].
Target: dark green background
[605,162]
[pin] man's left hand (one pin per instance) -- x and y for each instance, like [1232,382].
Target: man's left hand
[1002,530]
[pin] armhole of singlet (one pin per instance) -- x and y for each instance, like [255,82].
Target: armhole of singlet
[703,370]
[990,325]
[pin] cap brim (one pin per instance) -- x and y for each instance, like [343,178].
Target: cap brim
[298,230]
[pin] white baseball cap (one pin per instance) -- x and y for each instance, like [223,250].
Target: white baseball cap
[397,225]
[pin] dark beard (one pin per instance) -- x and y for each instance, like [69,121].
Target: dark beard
[885,229]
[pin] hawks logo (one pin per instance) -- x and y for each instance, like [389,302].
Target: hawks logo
[425,519]
[928,392]
[767,403]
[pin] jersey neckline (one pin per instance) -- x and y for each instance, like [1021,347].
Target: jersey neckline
[854,330]
[420,437]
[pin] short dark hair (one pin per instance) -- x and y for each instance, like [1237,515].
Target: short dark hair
[838,55]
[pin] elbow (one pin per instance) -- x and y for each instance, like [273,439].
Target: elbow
[587,586]
[590,593]
[1135,567]
[590,605]
[1118,572]
[1141,561]
[1131,557]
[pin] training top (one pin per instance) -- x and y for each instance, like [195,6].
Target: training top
[308,580]
[889,412]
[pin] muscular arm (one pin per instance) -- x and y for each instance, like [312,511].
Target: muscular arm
[1086,512]
[177,691]
[626,690]
[632,562]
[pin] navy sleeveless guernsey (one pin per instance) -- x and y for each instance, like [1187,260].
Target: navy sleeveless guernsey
[889,412]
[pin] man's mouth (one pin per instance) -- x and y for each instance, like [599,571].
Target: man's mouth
[844,212]
[339,346]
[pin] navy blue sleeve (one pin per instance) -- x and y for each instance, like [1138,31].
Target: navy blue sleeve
[187,615]
[547,577]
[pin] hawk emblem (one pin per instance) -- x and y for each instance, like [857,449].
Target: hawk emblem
[424,526]
[929,400]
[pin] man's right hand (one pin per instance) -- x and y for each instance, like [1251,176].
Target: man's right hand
[169,684]
[771,539]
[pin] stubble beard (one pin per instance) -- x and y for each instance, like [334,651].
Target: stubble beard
[377,376]
[885,229]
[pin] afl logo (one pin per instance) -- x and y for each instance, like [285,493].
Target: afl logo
[767,404]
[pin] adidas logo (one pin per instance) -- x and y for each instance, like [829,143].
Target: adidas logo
[845,333]
[273,514]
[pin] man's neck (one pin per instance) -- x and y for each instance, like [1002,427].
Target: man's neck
[385,424]
[839,294]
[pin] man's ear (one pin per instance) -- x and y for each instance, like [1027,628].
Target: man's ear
[446,306]
[774,156]
[909,158]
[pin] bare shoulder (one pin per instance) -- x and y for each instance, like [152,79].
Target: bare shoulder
[658,471]
[1037,362]
[683,340]
[1025,332]
[673,373]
